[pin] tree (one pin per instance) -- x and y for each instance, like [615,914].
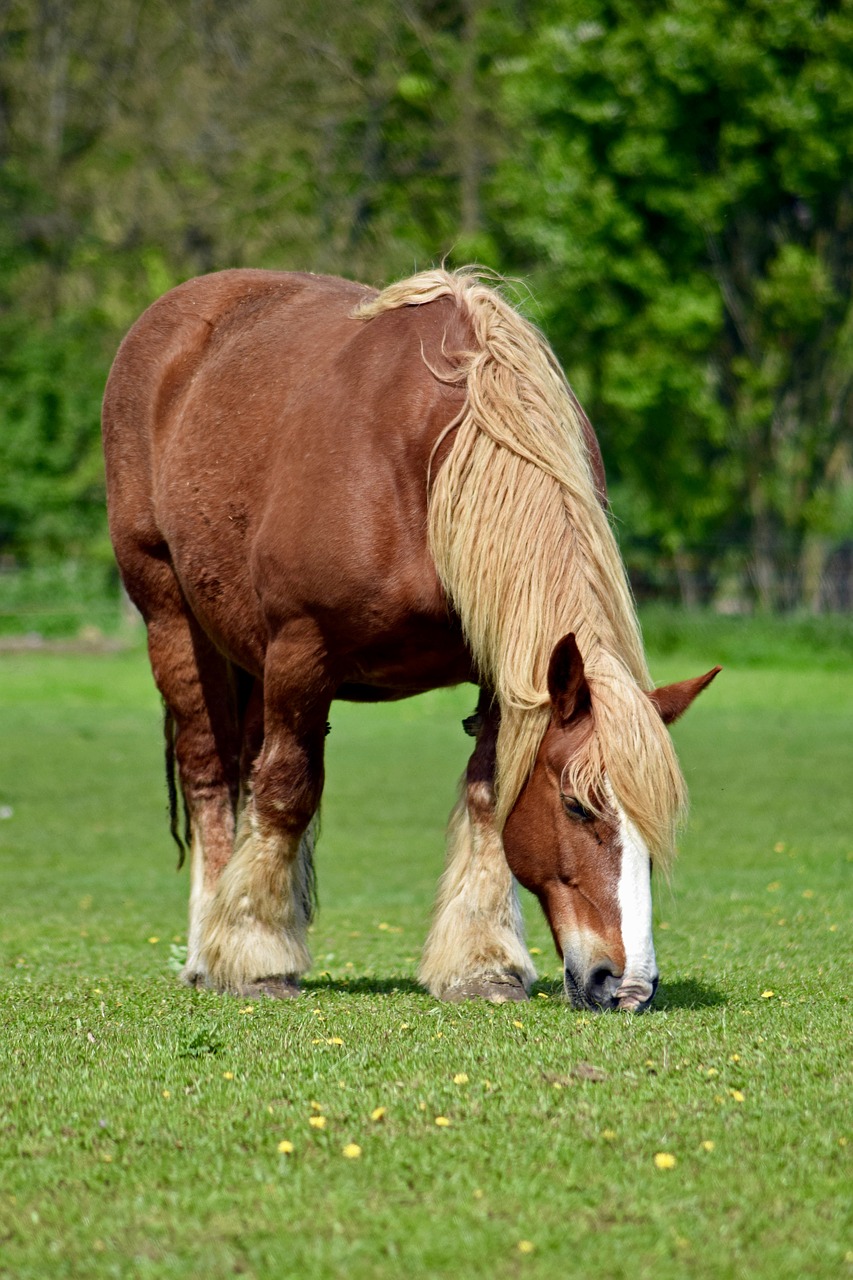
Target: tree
[682,197]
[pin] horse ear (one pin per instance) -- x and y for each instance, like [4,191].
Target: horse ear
[672,700]
[567,686]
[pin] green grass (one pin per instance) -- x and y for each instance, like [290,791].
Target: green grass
[140,1122]
[60,599]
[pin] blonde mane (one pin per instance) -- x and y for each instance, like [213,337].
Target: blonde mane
[526,554]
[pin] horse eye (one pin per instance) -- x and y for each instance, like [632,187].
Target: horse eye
[575,809]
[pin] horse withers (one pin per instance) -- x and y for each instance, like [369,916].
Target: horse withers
[318,491]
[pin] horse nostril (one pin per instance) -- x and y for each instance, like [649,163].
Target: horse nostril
[602,985]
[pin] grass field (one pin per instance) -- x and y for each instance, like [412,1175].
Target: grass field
[149,1130]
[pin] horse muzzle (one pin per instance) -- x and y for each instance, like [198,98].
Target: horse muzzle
[603,987]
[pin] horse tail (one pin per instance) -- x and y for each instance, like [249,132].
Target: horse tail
[184,840]
[306,886]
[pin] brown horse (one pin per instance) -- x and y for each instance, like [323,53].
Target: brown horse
[318,492]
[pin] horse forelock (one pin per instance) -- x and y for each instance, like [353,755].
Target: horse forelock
[526,554]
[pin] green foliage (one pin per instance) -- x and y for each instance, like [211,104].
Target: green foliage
[140,1122]
[683,202]
[672,178]
[62,598]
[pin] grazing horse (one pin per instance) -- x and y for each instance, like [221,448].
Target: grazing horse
[318,491]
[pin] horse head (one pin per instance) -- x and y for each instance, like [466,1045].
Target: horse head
[586,861]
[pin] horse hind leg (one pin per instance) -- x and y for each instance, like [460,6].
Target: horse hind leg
[202,736]
[476,947]
[254,931]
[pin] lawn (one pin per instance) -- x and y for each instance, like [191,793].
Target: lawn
[150,1130]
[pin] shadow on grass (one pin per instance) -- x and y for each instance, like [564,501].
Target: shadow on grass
[365,986]
[686,993]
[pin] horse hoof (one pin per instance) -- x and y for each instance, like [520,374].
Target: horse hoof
[276,987]
[497,988]
[193,978]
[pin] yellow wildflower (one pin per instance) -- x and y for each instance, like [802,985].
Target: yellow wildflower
[460,1078]
[708,1145]
[317,1122]
[765,995]
[526,1246]
[352,1151]
[377,1113]
[285,1147]
[663,1160]
[334,1040]
[227,1075]
[737,1095]
[442,1122]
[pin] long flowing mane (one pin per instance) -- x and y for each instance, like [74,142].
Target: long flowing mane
[526,554]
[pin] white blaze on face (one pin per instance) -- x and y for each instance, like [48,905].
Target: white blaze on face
[635,904]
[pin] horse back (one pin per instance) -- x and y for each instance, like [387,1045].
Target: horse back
[276,452]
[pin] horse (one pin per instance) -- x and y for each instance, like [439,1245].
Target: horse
[319,491]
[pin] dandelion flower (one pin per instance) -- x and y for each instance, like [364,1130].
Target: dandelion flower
[460,1078]
[250,1008]
[526,1246]
[317,1122]
[167,1093]
[227,1075]
[334,1040]
[153,940]
[352,1151]
[663,1160]
[516,1022]
[737,1095]
[442,1122]
[378,1113]
[708,1145]
[609,1135]
[285,1148]
[766,995]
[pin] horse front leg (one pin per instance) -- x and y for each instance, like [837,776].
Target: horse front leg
[476,947]
[254,932]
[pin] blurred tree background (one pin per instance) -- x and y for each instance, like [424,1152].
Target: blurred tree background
[671,180]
